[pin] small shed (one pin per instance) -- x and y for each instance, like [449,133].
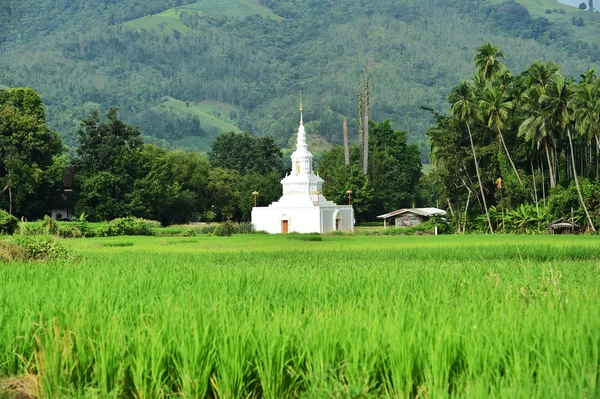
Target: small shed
[409,217]
[63,201]
[564,226]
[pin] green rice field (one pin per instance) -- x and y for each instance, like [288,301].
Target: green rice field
[258,316]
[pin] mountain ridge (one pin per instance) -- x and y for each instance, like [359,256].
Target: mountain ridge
[415,53]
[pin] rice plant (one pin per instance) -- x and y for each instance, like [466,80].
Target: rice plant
[269,317]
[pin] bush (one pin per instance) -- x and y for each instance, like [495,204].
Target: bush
[224,229]
[243,228]
[50,226]
[8,223]
[128,226]
[23,248]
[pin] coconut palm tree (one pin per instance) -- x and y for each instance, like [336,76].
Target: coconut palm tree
[539,74]
[488,62]
[493,110]
[463,108]
[586,103]
[536,129]
[557,106]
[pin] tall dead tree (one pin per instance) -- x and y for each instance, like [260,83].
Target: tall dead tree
[366,129]
[361,143]
[346,143]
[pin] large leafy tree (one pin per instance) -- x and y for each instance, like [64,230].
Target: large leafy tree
[245,153]
[339,178]
[463,108]
[108,166]
[394,168]
[28,152]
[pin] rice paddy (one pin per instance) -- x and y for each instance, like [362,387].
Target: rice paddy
[257,316]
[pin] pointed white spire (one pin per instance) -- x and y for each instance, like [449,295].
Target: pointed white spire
[301,109]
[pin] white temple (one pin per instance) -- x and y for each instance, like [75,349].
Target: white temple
[303,208]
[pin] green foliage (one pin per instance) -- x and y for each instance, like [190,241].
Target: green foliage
[128,226]
[224,229]
[27,151]
[8,223]
[393,175]
[244,153]
[255,57]
[24,248]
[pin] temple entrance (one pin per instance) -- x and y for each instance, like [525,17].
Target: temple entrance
[284,226]
[338,221]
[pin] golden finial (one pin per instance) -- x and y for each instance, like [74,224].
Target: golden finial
[301,101]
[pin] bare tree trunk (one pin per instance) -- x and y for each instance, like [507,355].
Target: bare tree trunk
[577,183]
[464,228]
[346,143]
[509,157]
[487,213]
[552,183]
[366,129]
[361,143]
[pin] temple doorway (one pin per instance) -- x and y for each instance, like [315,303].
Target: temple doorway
[285,225]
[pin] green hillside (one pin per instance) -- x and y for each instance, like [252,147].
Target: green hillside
[256,57]
[562,15]
[214,118]
[171,18]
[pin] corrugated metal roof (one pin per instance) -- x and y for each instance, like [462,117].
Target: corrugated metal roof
[418,211]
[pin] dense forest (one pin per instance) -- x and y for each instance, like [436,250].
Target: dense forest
[85,56]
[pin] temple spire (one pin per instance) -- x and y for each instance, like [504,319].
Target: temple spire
[301,109]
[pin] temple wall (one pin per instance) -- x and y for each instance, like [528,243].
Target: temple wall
[302,220]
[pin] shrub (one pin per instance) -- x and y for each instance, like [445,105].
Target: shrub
[128,226]
[24,248]
[8,223]
[243,228]
[70,231]
[210,229]
[49,226]
[224,229]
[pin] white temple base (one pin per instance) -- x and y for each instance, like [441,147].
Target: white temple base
[308,219]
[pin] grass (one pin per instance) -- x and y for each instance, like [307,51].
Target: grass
[170,19]
[273,317]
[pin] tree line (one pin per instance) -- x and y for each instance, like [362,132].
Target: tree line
[118,175]
[525,143]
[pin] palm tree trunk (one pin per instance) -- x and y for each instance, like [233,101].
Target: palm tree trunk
[552,182]
[346,143]
[487,213]
[361,144]
[587,214]
[509,157]
[537,204]
[366,128]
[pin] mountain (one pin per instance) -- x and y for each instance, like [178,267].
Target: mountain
[185,70]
